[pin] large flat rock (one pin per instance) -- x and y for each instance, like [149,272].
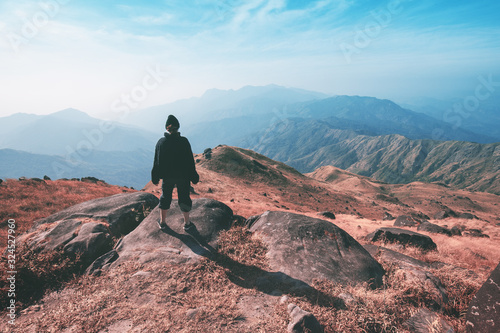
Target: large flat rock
[87,229]
[148,243]
[307,248]
[121,212]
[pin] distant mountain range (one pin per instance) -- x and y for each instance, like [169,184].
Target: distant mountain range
[372,116]
[309,144]
[478,114]
[230,117]
[307,130]
[119,168]
[223,116]
[71,144]
[69,130]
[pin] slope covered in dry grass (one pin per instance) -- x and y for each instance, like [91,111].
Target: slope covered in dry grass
[222,295]
[213,296]
[29,200]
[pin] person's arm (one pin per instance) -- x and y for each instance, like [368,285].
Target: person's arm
[155,172]
[193,175]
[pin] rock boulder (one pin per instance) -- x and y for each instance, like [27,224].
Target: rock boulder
[121,212]
[445,213]
[403,237]
[328,215]
[149,243]
[92,240]
[433,228]
[306,248]
[302,321]
[405,221]
[86,229]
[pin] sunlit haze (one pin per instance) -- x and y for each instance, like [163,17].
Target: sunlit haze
[57,54]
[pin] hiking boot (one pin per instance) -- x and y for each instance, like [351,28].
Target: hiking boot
[161,224]
[188,227]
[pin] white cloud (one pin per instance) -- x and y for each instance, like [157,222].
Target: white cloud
[85,60]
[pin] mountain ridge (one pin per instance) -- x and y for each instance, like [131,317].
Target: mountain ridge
[390,158]
[119,168]
[66,131]
[269,185]
[298,127]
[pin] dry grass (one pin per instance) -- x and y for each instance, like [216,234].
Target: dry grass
[37,272]
[480,255]
[158,297]
[29,200]
[460,287]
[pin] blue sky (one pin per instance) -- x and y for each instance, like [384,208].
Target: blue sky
[56,54]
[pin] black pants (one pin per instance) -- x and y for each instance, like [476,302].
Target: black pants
[183,187]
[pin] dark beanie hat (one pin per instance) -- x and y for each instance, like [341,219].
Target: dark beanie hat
[171,120]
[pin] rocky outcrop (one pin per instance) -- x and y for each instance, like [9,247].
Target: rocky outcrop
[328,215]
[433,228]
[483,315]
[306,248]
[172,244]
[445,213]
[387,217]
[88,229]
[405,221]
[467,216]
[475,233]
[403,237]
[121,212]
[456,231]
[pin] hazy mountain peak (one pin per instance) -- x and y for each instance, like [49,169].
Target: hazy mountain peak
[253,91]
[71,114]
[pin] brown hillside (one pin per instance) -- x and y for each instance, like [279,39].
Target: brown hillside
[416,197]
[251,183]
[29,200]
[219,295]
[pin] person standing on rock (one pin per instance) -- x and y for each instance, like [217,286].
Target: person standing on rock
[174,164]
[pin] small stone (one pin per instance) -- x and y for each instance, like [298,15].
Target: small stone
[302,321]
[348,299]
[327,214]
[141,274]
[191,313]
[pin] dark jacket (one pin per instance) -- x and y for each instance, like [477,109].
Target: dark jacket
[173,159]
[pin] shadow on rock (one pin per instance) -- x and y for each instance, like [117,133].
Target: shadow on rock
[253,277]
[194,241]
[274,283]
